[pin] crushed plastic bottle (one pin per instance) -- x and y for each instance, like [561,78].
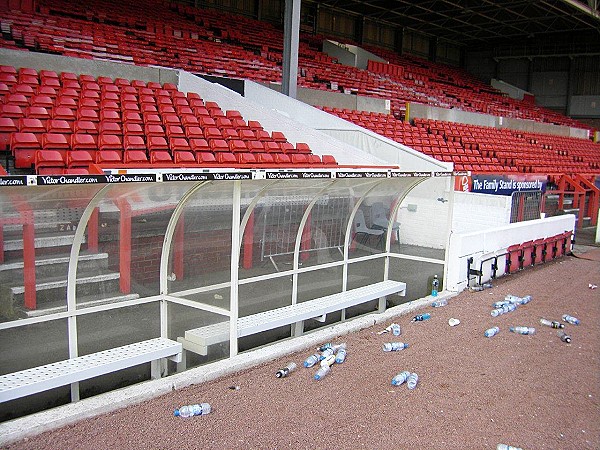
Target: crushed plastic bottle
[435,286]
[551,324]
[285,371]
[491,332]
[328,361]
[518,300]
[412,381]
[522,330]
[312,360]
[396,330]
[439,303]
[326,353]
[570,319]
[329,345]
[322,372]
[400,378]
[564,337]
[421,317]
[394,346]
[340,356]
[507,447]
[200,409]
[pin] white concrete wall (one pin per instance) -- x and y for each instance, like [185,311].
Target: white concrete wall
[494,241]
[477,212]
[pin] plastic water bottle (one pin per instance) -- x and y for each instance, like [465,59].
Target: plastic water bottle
[435,285]
[522,330]
[421,317]
[396,330]
[400,378]
[329,345]
[329,361]
[324,347]
[552,324]
[285,371]
[491,332]
[192,410]
[340,356]
[500,304]
[497,312]
[564,337]
[394,346]
[572,320]
[439,303]
[507,447]
[518,300]
[312,360]
[412,380]
[326,353]
[322,372]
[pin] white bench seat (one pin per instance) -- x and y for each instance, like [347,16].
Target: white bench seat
[198,339]
[61,373]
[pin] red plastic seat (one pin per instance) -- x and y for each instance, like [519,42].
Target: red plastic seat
[271,147]
[135,157]
[282,158]
[154,129]
[132,129]
[27,125]
[8,126]
[329,160]
[16,99]
[226,158]
[108,157]
[23,147]
[194,132]
[299,158]
[539,251]
[199,145]
[11,111]
[63,113]
[237,145]
[77,158]
[287,147]
[314,159]
[255,146]
[42,100]
[84,142]
[160,157]
[183,157]
[302,147]
[109,115]
[278,136]
[59,126]
[245,158]
[85,126]
[179,144]
[513,260]
[49,162]
[55,141]
[527,254]
[133,142]
[175,131]
[265,158]
[110,142]
[206,158]
[157,143]
[218,145]
[246,135]
[111,128]
[37,112]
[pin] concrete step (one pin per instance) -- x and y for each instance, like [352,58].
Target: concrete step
[50,241]
[85,302]
[54,266]
[52,289]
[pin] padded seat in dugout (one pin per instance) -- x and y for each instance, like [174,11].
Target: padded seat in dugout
[380,219]
[539,251]
[513,259]
[526,254]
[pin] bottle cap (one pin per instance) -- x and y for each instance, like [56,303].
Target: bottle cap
[176,413]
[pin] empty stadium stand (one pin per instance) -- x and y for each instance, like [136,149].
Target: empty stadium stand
[87,121]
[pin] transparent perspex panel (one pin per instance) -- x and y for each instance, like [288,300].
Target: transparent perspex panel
[200,254]
[38,224]
[275,224]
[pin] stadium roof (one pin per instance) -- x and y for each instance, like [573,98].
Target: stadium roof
[483,22]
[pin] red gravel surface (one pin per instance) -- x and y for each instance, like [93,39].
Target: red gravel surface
[534,391]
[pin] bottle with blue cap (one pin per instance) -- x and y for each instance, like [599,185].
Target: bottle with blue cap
[491,332]
[421,317]
[400,378]
[340,356]
[200,409]
[394,346]
[312,360]
[322,372]
[570,319]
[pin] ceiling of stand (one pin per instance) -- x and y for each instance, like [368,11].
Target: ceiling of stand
[483,22]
